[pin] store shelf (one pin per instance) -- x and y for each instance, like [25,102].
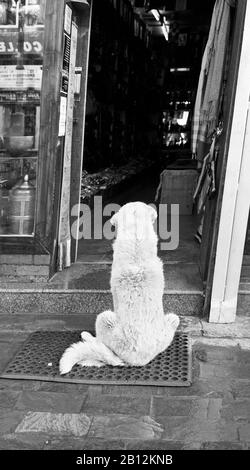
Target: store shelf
[29,155]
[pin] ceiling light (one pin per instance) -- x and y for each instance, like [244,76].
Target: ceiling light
[165,21]
[156,14]
[165,30]
[180,69]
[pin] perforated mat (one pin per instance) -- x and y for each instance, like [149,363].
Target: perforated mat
[39,356]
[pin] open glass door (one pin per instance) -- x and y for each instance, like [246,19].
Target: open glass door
[84,18]
[72,123]
[62,126]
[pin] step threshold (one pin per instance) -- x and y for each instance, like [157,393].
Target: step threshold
[28,289]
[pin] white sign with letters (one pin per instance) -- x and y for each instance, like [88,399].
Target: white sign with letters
[12,78]
[62,116]
[67,19]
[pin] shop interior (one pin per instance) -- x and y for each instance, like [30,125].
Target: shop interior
[141,93]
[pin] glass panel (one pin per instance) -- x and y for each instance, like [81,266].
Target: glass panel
[21,59]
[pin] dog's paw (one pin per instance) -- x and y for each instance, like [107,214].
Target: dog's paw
[86,336]
[172,320]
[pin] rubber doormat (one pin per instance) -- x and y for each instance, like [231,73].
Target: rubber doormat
[39,356]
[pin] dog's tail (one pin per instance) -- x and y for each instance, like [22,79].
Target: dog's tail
[88,353]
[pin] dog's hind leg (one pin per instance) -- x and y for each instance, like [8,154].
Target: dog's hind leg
[104,325]
[107,333]
[172,321]
[105,322]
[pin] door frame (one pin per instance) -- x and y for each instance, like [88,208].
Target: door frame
[233,201]
[50,156]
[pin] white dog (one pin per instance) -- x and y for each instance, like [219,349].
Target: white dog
[137,330]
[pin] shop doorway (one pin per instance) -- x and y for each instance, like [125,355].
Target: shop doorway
[134,129]
[140,99]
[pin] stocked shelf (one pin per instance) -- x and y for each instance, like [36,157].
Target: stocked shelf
[32,154]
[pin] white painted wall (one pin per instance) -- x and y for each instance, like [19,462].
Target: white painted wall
[236,197]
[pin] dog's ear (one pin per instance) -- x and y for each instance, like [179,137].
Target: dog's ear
[153,213]
[114,219]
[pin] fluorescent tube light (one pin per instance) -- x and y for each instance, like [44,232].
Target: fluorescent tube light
[156,14]
[165,30]
[180,69]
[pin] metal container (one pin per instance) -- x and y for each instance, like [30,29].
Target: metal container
[22,208]
[18,144]
[4,199]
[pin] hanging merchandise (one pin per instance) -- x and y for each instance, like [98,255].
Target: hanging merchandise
[206,185]
[208,98]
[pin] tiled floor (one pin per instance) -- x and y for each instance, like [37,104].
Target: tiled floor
[144,189]
[186,251]
[214,413]
[92,271]
[178,277]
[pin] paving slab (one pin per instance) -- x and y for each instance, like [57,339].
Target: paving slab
[110,404]
[241,388]
[23,441]
[244,432]
[72,424]
[9,419]
[46,401]
[27,322]
[239,329]
[239,410]
[162,406]
[8,398]
[118,426]
[193,429]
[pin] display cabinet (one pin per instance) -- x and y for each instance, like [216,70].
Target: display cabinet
[21,59]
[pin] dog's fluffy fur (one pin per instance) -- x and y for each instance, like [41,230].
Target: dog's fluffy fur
[137,330]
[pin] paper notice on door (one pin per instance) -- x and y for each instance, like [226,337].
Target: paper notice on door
[67,19]
[62,116]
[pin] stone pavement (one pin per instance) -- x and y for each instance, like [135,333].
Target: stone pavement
[214,413]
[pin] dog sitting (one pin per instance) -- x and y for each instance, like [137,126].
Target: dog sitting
[137,331]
